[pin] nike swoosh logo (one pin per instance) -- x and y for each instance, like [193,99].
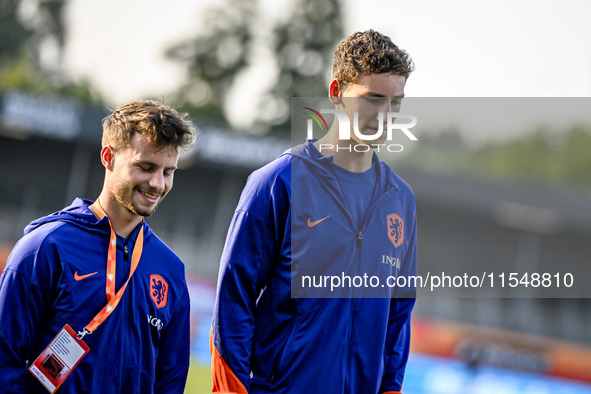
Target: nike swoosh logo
[80,277]
[312,224]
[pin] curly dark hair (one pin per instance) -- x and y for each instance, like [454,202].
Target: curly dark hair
[369,52]
[163,125]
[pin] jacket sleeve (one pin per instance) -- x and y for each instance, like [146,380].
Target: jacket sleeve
[243,262]
[253,241]
[398,335]
[172,364]
[25,296]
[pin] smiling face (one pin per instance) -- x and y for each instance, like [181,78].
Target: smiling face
[371,95]
[140,175]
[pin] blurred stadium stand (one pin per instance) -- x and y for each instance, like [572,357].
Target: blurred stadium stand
[49,154]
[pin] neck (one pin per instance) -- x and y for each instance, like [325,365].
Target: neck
[344,152]
[122,221]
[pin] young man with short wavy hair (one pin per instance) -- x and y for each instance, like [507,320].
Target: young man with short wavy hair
[330,208]
[97,268]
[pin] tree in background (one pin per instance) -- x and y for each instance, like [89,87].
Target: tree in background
[14,34]
[233,38]
[33,39]
[304,47]
[216,56]
[539,156]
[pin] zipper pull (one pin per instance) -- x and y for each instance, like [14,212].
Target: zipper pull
[125,252]
[359,238]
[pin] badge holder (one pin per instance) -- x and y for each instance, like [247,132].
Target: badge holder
[59,358]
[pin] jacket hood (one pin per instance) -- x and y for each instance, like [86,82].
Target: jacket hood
[323,164]
[78,214]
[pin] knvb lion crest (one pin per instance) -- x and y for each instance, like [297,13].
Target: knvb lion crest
[395,229]
[158,290]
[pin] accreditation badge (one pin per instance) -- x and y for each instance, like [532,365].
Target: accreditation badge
[59,358]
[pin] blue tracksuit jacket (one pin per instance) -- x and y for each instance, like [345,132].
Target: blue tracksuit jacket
[270,333]
[142,347]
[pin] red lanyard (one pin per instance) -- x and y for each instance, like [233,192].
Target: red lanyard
[112,298]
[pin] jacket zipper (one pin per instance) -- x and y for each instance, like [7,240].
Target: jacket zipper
[359,239]
[359,233]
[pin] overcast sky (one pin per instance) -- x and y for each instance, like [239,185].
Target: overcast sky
[489,48]
[462,48]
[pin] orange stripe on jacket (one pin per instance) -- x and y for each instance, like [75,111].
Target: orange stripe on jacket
[223,379]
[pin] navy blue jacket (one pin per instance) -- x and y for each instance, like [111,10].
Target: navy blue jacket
[142,347]
[273,332]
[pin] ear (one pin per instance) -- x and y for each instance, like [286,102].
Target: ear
[335,91]
[108,157]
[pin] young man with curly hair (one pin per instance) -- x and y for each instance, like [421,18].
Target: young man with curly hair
[330,208]
[97,268]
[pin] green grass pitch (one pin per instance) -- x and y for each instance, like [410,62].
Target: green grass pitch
[199,379]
